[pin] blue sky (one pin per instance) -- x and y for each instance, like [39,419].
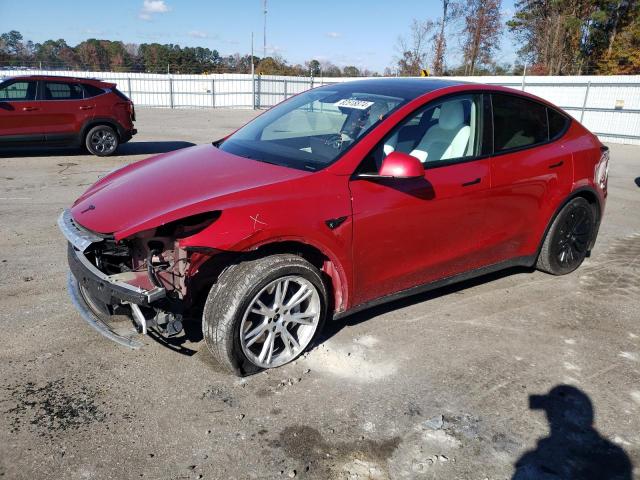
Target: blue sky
[347,32]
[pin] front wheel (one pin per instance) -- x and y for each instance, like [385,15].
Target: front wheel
[567,242]
[101,140]
[264,313]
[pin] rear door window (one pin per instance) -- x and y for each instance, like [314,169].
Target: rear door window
[18,90]
[518,122]
[62,91]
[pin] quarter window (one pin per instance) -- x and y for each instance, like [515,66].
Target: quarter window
[62,91]
[91,91]
[517,122]
[19,90]
[557,123]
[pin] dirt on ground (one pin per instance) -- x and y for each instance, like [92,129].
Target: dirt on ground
[519,368]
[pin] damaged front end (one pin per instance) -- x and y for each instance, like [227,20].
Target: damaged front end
[143,278]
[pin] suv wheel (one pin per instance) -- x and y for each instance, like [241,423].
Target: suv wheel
[102,140]
[566,244]
[264,313]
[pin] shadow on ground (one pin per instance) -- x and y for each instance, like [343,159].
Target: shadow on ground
[130,148]
[149,148]
[574,448]
[193,328]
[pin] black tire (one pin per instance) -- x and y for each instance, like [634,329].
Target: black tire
[567,242]
[101,140]
[234,293]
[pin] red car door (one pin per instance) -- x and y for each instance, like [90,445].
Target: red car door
[408,232]
[530,176]
[65,109]
[20,114]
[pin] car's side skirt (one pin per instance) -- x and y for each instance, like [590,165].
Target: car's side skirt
[14,140]
[526,261]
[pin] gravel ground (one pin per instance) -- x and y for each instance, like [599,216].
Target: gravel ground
[435,386]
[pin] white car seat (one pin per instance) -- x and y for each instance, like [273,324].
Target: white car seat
[448,138]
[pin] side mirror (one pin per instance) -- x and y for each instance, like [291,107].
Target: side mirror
[401,165]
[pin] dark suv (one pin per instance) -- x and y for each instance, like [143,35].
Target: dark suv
[53,110]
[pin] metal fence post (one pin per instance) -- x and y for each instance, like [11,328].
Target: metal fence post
[584,103]
[213,93]
[129,86]
[253,90]
[285,89]
[171,92]
[258,92]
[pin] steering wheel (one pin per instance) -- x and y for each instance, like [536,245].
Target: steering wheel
[338,140]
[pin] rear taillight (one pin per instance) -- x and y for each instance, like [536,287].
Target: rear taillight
[601,176]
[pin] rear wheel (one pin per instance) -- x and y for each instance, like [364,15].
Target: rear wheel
[567,242]
[264,313]
[101,140]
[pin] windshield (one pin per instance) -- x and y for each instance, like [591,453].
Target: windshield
[311,130]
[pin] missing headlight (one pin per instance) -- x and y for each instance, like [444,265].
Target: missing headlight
[185,227]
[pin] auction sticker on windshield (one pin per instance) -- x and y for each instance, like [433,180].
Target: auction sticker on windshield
[353,103]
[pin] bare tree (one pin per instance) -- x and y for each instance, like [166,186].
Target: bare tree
[450,11]
[481,33]
[413,50]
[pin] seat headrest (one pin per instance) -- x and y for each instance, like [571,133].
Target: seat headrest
[451,115]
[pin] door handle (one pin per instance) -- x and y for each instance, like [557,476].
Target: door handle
[472,182]
[29,109]
[556,165]
[86,107]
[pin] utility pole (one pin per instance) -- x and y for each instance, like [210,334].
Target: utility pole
[253,78]
[264,40]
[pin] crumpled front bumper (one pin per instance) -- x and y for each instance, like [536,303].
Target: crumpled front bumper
[108,289]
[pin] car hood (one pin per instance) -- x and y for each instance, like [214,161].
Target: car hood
[171,186]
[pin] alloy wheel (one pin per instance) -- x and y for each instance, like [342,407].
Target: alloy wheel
[103,141]
[573,237]
[280,321]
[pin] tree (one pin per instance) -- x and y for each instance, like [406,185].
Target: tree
[622,55]
[117,56]
[562,37]
[12,43]
[274,65]
[450,11]
[313,66]
[481,33]
[614,20]
[351,71]
[55,53]
[413,51]
[329,69]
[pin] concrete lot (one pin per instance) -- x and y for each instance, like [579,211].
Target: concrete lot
[436,386]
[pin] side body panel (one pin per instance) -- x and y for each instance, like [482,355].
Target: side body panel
[527,187]
[21,120]
[410,232]
[64,118]
[111,106]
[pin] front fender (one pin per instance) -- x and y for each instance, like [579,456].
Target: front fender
[248,228]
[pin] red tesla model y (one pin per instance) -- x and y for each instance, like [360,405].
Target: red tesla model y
[337,199]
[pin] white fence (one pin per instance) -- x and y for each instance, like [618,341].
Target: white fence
[608,106]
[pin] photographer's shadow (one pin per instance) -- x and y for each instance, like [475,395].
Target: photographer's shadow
[574,449]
